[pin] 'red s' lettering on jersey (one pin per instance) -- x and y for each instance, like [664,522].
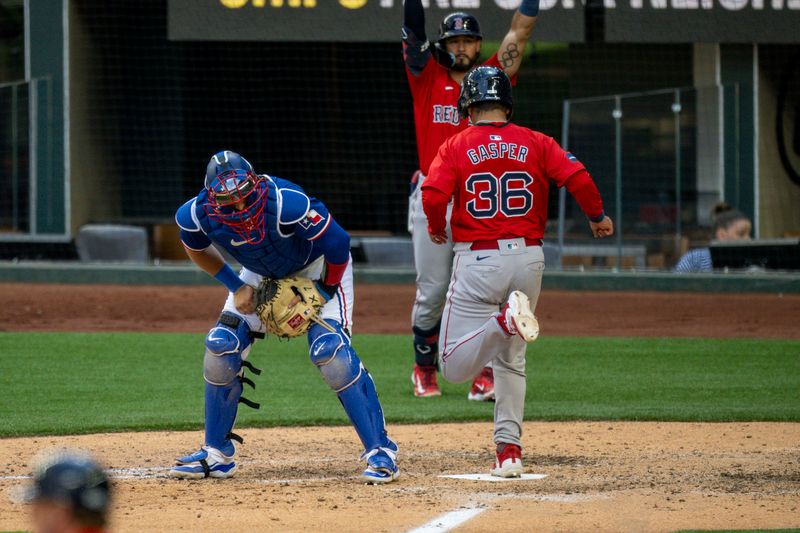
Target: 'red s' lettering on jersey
[499,175]
[435,96]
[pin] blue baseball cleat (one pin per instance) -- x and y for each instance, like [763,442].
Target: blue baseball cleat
[381,465]
[206,462]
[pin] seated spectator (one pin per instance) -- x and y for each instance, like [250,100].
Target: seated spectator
[728,225]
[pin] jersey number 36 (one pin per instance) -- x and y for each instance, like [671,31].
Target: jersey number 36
[507,194]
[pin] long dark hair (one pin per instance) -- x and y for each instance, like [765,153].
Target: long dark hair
[724,216]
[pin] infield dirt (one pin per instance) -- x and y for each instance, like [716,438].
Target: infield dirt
[602,476]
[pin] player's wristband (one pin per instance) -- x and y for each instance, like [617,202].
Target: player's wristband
[598,218]
[327,291]
[529,8]
[228,277]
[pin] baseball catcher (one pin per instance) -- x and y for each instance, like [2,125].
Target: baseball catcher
[296,279]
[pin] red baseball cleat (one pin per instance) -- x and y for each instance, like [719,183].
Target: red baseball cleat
[508,462]
[424,380]
[482,387]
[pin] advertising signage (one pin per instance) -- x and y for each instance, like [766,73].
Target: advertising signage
[354,20]
[720,21]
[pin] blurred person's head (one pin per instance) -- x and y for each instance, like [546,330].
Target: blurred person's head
[70,492]
[730,224]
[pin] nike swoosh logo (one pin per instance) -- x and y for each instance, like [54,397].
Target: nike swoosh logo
[212,339]
[479,258]
[421,348]
[317,350]
[237,243]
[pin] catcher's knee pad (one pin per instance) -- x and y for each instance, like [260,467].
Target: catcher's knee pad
[426,345]
[335,358]
[227,344]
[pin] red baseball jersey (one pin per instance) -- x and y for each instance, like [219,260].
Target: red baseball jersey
[435,96]
[499,175]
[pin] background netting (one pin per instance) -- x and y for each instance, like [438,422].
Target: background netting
[333,117]
[337,119]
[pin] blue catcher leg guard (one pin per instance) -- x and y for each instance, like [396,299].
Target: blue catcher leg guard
[343,372]
[225,345]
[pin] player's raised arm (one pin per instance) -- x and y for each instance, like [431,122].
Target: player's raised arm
[416,50]
[513,46]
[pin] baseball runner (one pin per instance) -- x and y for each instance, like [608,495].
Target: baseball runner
[498,175]
[274,230]
[434,72]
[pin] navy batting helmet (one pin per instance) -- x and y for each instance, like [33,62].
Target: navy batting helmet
[74,479]
[485,84]
[459,23]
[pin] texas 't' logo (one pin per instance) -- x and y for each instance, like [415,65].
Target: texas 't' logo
[312,218]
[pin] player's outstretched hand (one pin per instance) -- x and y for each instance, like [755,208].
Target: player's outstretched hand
[438,238]
[604,228]
[243,299]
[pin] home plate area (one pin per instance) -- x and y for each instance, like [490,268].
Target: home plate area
[489,477]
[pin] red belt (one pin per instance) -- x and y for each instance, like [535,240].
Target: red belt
[492,245]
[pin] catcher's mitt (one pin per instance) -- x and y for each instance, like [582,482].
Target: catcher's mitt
[287,306]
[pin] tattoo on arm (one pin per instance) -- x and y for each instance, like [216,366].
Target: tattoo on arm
[509,55]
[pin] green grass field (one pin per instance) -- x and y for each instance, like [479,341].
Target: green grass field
[64,383]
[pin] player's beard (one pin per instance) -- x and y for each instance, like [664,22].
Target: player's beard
[465,67]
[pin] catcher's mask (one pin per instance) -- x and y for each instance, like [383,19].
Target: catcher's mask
[236,195]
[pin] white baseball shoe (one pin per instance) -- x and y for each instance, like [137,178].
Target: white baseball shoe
[206,462]
[517,317]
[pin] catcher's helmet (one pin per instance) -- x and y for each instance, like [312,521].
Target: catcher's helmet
[485,84]
[72,478]
[235,195]
[459,23]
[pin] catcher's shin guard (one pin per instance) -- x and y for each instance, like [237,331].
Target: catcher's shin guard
[222,404]
[343,372]
[227,345]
